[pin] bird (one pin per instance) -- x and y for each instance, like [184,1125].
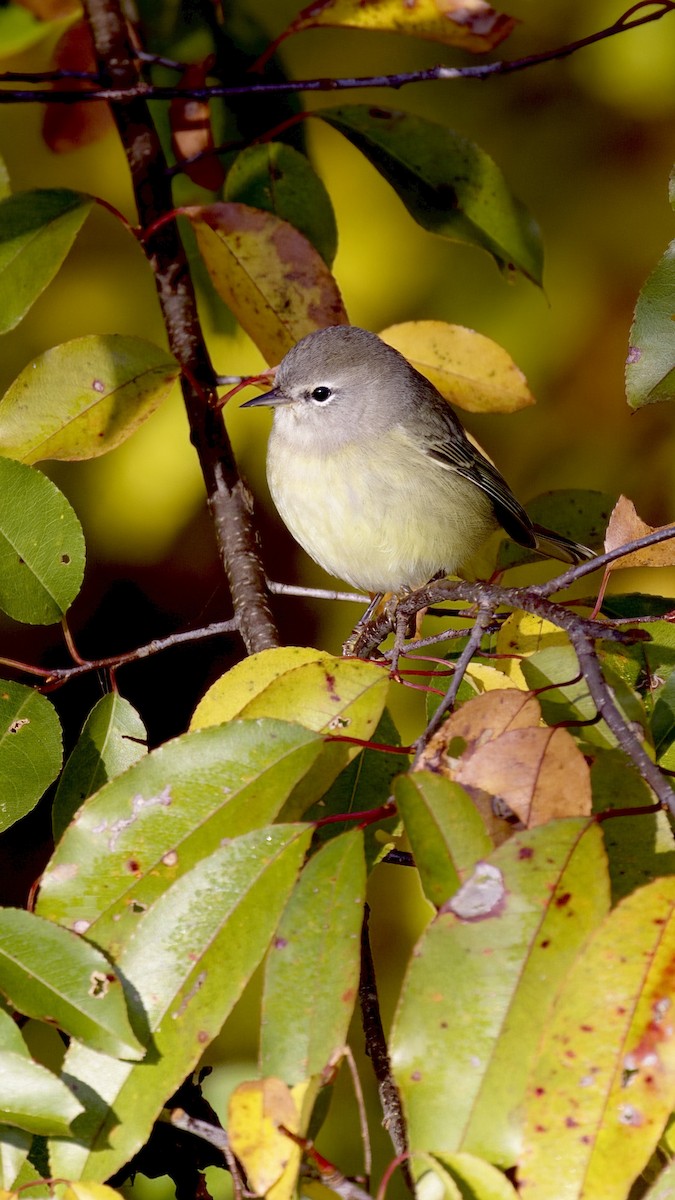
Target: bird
[373,473]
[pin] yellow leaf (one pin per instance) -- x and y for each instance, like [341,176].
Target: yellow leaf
[255,1112]
[275,283]
[304,1095]
[490,679]
[522,635]
[469,24]
[314,688]
[83,1189]
[625,526]
[468,368]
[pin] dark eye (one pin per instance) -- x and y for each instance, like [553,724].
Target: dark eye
[321,394]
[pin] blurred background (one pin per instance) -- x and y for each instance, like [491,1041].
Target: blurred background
[587,144]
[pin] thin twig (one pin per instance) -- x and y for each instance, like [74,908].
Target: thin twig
[481,624]
[216,1136]
[376,1048]
[146,91]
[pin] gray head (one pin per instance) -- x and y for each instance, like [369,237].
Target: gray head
[340,383]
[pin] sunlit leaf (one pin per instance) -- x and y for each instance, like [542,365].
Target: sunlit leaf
[466,24]
[49,973]
[479,984]
[603,1084]
[255,1111]
[163,816]
[192,952]
[19,30]
[278,179]
[468,368]
[37,230]
[14,1142]
[311,980]
[41,546]
[330,695]
[477,1179]
[112,738]
[271,278]
[664,1187]
[30,749]
[34,1099]
[650,366]
[448,184]
[83,398]
[638,847]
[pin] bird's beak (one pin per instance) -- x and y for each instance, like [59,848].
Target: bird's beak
[268,400]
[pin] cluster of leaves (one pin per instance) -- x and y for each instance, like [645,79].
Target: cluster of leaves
[534,1023]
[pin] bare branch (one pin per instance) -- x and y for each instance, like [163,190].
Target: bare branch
[145,91]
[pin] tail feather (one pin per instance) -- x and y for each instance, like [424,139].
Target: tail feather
[555,545]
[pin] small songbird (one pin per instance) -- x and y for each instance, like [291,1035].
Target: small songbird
[373,473]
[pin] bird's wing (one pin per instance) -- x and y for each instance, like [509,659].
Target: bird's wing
[453,450]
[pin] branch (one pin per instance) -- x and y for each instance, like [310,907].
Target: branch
[145,91]
[228,499]
[376,1049]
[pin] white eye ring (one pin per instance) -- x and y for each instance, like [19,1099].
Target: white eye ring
[321,394]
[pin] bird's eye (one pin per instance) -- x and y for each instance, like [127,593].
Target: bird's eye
[321,394]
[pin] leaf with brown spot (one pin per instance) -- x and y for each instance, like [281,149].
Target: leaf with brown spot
[603,1084]
[625,526]
[471,25]
[270,276]
[468,368]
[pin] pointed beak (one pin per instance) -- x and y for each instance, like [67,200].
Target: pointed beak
[268,400]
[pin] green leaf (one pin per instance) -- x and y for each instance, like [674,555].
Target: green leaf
[311,979]
[638,847]
[113,738]
[365,783]
[664,1187]
[49,973]
[144,829]
[5,185]
[447,183]
[83,398]
[650,366]
[280,180]
[30,749]
[446,832]
[14,1143]
[577,513]
[188,962]
[479,984]
[477,1179]
[32,1098]
[41,547]
[663,719]
[37,230]
[603,1084]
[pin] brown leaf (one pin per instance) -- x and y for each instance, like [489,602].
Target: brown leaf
[625,526]
[191,133]
[50,10]
[68,126]
[496,746]
[539,773]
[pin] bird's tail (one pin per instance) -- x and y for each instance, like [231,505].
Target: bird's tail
[555,545]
